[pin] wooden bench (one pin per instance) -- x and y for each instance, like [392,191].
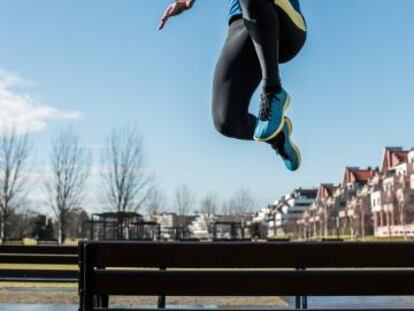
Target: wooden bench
[298,269]
[38,257]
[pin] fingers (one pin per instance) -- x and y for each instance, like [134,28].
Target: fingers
[167,14]
[162,24]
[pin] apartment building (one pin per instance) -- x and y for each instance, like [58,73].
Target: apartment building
[289,209]
[392,198]
[354,216]
[370,201]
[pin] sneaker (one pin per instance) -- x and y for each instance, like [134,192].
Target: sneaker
[284,146]
[272,109]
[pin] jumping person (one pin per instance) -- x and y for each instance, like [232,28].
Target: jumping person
[262,34]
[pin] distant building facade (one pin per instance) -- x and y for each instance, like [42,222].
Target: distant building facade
[370,201]
[283,214]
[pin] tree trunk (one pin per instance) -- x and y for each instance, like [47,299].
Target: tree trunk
[388,223]
[363,225]
[402,219]
[351,224]
[62,228]
[3,234]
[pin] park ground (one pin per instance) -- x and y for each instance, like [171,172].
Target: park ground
[66,294]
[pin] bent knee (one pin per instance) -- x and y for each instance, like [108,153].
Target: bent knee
[225,126]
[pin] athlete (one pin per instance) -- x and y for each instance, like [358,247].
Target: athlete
[262,34]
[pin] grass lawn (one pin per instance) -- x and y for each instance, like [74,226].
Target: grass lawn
[35,285]
[19,266]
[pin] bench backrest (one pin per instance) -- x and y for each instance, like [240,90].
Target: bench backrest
[246,269]
[40,256]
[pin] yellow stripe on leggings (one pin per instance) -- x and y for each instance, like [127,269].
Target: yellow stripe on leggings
[294,15]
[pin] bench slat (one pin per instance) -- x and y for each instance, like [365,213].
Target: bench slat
[66,274]
[34,249]
[40,279]
[251,255]
[39,259]
[253,283]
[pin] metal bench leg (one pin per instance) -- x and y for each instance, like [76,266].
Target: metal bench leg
[304,299]
[88,297]
[298,302]
[102,301]
[161,299]
[105,301]
[161,302]
[304,302]
[80,281]
[301,301]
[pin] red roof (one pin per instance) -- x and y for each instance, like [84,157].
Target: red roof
[355,174]
[401,155]
[326,190]
[363,175]
[393,156]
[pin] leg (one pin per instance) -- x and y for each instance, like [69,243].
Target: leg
[262,23]
[236,78]
[277,37]
[292,38]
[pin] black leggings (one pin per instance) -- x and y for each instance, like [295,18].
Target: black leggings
[250,55]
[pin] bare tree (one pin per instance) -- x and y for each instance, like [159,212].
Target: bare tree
[184,200]
[156,201]
[402,200]
[225,210]
[76,219]
[70,167]
[208,204]
[242,202]
[126,180]
[14,153]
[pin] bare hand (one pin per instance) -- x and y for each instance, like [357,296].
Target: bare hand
[173,9]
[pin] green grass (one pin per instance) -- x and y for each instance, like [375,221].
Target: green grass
[369,238]
[385,239]
[280,236]
[18,266]
[68,242]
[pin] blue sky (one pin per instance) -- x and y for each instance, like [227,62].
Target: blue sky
[100,64]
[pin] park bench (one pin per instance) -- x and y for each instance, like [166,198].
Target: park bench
[298,269]
[37,261]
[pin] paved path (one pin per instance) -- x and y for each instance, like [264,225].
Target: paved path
[357,302]
[314,302]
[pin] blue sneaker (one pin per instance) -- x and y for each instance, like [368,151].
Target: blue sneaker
[286,148]
[270,121]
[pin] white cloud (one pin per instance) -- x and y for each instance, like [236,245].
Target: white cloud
[22,111]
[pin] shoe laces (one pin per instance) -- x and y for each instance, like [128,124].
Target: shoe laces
[266,105]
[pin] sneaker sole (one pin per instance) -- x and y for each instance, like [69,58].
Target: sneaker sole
[275,133]
[295,147]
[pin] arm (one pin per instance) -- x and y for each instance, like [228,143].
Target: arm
[175,8]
